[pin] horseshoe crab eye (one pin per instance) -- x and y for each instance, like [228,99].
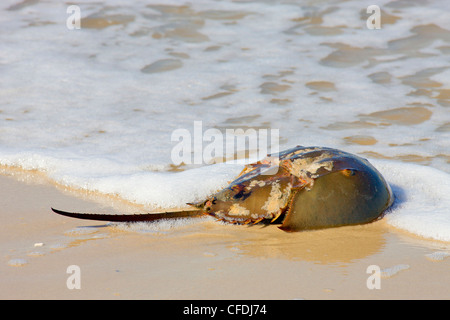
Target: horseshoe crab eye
[214,201]
[208,204]
[348,172]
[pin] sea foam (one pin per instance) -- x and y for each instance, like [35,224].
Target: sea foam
[422,204]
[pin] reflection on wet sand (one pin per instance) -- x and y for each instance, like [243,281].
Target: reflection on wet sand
[331,246]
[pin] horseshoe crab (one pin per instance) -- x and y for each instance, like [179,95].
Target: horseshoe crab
[306,188]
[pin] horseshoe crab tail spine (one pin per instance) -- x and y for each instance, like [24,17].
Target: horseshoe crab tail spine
[130,217]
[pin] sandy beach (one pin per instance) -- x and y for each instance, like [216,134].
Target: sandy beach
[200,259]
[124,107]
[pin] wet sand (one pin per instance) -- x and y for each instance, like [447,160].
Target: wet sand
[199,259]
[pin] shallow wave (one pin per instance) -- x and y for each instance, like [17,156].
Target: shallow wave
[422,204]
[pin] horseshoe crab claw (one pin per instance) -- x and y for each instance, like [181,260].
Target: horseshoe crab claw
[310,188]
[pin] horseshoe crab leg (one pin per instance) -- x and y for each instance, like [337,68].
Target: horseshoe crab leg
[131,217]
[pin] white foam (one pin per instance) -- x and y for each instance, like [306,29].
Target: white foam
[392,271]
[158,227]
[17,262]
[422,199]
[437,256]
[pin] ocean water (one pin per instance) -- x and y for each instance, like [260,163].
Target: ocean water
[95,108]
